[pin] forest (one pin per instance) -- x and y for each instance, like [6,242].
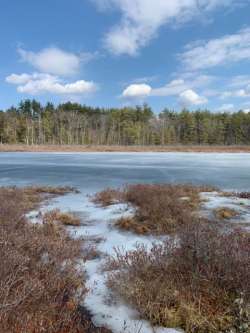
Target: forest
[71,123]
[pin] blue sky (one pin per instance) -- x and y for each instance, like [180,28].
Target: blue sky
[168,53]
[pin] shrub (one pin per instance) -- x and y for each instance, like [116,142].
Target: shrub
[107,197]
[159,209]
[66,219]
[200,282]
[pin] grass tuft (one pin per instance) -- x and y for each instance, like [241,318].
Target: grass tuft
[159,209]
[66,219]
[225,213]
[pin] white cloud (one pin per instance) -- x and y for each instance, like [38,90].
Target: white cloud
[141,19]
[137,91]
[246,110]
[237,93]
[185,82]
[226,108]
[220,51]
[18,78]
[39,83]
[53,60]
[240,81]
[190,97]
[174,87]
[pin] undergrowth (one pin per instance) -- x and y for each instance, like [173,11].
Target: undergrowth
[199,282]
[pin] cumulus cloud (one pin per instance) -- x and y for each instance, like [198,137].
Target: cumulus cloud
[39,83]
[220,51]
[190,97]
[137,91]
[53,60]
[18,78]
[180,86]
[141,19]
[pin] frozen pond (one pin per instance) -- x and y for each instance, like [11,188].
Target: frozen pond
[94,171]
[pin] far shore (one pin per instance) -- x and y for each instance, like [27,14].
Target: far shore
[102,148]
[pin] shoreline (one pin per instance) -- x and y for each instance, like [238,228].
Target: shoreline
[104,148]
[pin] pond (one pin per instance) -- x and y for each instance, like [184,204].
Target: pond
[93,171]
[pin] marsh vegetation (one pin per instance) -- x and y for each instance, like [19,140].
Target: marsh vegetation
[199,278]
[41,286]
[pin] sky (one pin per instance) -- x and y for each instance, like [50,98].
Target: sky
[111,53]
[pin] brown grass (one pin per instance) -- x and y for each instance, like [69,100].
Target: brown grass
[114,148]
[200,283]
[40,286]
[107,197]
[66,219]
[33,195]
[225,213]
[159,209]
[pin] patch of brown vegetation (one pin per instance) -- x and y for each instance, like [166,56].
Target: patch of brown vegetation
[130,224]
[40,285]
[66,219]
[115,148]
[33,195]
[200,283]
[159,209]
[225,213]
[107,197]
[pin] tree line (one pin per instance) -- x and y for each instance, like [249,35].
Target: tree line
[71,123]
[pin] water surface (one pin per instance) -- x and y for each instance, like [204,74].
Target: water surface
[93,171]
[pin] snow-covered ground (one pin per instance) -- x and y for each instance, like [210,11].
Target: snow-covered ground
[107,310]
[216,200]
[97,223]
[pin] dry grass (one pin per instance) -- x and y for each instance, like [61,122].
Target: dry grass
[33,195]
[200,283]
[107,197]
[225,213]
[159,209]
[66,219]
[114,148]
[40,285]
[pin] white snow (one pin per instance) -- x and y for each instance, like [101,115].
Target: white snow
[215,200]
[107,310]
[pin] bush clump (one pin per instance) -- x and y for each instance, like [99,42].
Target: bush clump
[67,219]
[199,282]
[159,209]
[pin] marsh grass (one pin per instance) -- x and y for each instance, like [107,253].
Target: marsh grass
[225,213]
[159,209]
[67,219]
[40,284]
[200,282]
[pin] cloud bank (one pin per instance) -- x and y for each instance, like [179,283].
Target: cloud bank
[142,19]
[219,51]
